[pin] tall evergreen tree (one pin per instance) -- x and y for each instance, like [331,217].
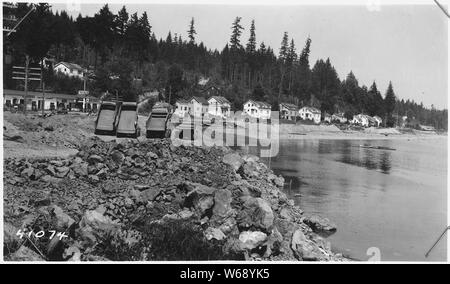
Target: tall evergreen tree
[236,31]
[121,21]
[389,104]
[251,44]
[191,32]
[284,49]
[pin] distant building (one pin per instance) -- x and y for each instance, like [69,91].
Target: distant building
[378,120]
[219,106]
[338,118]
[182,107]
[257,109]
[69,69]
[288,111]
[48,63]
[327,117]
[310,113]
[199,106]
[361,120]
[51,101]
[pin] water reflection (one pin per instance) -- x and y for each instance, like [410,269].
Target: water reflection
[371,159]
[393,200]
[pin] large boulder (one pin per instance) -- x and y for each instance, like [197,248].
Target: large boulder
[150,194]
[80,169]
[95,225]
[200,197]
[118,157]
[214,233]
[233,159]
[222,202]
[320,225]
[251,240]
[305,249]
[256,212]
[63,221]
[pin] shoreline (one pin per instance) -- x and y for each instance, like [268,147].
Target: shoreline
[231,205]
[288,132]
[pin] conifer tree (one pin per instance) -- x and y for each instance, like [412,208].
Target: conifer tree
[251,44]
[235,42]
[191,32]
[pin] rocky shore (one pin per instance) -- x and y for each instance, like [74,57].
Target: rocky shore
[150,200]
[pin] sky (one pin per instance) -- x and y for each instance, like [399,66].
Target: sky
[405,44]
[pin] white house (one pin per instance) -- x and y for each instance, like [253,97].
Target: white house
[199,106]
[288,111]
[339,118]
[69,69]
[182,108]
[219,106]
[257,109]
[378,121]
[361,119]
[310,113]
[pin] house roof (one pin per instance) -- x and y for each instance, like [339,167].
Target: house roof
[183,101]
[260,104]
[71,66]
[219,99]
[368,117]
[377,117]
[200,100]
[311,109]
[289,106]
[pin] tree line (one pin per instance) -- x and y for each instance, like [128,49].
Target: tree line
[123,55]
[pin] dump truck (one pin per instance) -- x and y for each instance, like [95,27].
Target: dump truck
[106,119]
[158,123]
[127,121]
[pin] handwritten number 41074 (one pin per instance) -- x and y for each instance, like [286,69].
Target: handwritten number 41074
[41,234]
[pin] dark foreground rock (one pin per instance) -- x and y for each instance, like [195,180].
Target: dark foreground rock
[153,201]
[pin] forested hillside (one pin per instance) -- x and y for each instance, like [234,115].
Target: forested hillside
[123,54]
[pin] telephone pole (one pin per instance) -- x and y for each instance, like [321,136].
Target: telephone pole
[23,73]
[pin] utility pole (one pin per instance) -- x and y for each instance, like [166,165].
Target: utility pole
[23,73]
[43,98]
[170,92]
[27,63]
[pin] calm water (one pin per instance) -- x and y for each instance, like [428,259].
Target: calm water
[391,200]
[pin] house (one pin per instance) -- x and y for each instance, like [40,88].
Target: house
[182,107]
[219,106]
[257,109]
[48,63]
[199,106]
[288,111]
[69,69]
[378,121]
[372,121]
[50,101]
[338,118]
[327,117]
[361,120]
[310,113]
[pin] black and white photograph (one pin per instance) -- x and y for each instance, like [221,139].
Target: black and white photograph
[225,132]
